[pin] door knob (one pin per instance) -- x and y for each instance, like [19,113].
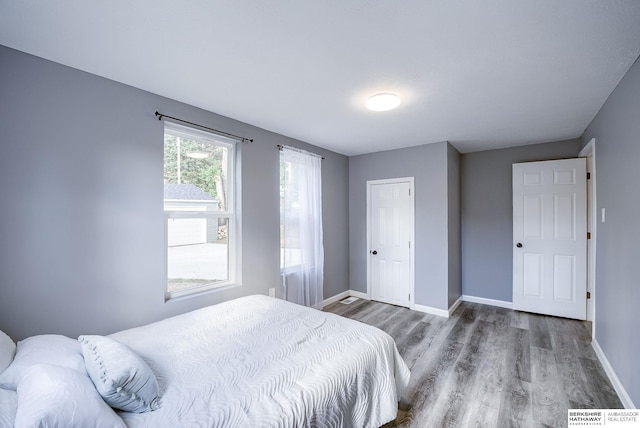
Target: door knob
[519,245]
[374,252]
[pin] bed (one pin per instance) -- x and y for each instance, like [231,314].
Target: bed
[254,361]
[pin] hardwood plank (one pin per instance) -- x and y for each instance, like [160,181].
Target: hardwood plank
[491,378]
[519,354]
[549,406]
[580,332]
[516,405]
[463,387]
[569,368]
[576,405]
[340,308]
[370,310]
[463,326]
[520,320]
[490,367]
[414,344]
[499,316]
[399,326]
[599,385]
[378,315]
[581,329]
[393,319]
[477,337]
[449,409]
[480,415]
[539,332]
[353,308]
[424,390]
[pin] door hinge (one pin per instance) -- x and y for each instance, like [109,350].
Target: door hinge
[588,294]
[588,176]
[409,296]
[588,235]
[409,244]
[409,192]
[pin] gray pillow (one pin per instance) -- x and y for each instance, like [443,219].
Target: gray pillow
[121,377]
[7,351]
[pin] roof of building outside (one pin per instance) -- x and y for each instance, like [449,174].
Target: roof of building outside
[186,191]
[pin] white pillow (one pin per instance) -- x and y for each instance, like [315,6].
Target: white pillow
[44,349]
[121,377]
[54,396]
[7,351]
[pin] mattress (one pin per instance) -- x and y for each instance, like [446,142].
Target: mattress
[263,362]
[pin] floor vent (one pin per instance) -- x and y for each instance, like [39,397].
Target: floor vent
[348,300]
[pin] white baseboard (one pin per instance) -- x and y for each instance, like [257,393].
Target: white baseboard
[422,308]
[485,301]
[455,306]
[622,393]
[435,311]
[336,298]
[431,310]
[359,294]
[344,295]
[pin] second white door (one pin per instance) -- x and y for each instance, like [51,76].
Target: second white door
[390,229]
[550,235]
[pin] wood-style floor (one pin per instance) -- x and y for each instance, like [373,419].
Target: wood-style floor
[490,367]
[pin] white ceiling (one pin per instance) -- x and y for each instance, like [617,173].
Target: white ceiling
[480,74]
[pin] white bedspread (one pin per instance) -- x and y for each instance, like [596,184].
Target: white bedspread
[262,362]
[8,406]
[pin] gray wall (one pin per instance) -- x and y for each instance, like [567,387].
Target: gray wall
[453,227]
[616,129]
[487,215]
[335,215]
[428,165]
[81,225]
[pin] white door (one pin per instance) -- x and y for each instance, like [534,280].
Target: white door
[390,224]
[550,237]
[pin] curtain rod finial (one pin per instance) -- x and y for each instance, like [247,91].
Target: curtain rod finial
[237,137]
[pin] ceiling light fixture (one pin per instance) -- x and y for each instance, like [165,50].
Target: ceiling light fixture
[382,102]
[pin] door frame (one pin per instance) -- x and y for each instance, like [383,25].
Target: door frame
[589,151]
[412,231]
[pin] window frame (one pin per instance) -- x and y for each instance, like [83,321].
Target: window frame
[231,213]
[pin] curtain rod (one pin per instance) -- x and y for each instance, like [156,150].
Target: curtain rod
[243,139]
[280,147]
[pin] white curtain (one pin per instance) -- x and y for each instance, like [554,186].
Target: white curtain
[302,252]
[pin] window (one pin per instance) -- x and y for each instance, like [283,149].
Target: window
[201,225]
[301,249]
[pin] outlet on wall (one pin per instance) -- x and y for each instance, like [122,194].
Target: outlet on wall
[272,292]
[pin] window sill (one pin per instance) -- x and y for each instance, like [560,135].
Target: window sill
[197,292]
